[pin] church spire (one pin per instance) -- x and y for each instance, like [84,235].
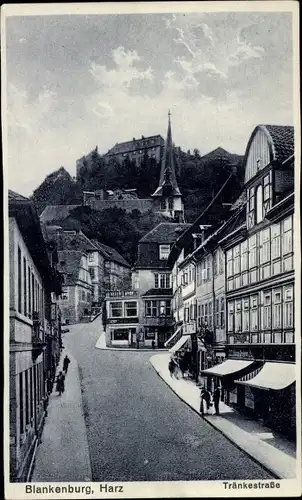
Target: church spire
[167,181]
[167,197]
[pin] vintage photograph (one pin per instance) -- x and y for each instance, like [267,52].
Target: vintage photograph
[152,249]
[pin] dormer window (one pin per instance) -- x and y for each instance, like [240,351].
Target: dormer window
[164,251]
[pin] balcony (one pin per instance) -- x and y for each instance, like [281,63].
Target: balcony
[117,294]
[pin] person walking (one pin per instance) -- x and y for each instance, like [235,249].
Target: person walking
[216,398]
[60,383]
[172,367]
[66,364]
[205,400]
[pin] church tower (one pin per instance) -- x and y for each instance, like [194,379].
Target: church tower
[167,197]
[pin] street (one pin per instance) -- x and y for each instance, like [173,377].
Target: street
[138,429]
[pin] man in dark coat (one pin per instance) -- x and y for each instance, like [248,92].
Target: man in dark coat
[216,398]
[205,397]
[66,363]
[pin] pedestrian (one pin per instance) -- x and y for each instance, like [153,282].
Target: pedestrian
[172,367]
[216,398]
[66,363]
[60,385]
[205,401]
[153,344]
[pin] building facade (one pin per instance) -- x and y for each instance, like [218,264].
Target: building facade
[260,284]
[34,344]
[122,319]
[137,148]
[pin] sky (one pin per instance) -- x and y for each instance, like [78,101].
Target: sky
[77,81]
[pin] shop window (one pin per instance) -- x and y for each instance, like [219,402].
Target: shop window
[21,403]
[120,334]
[116,309]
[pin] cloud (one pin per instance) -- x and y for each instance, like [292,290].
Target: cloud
[125,71]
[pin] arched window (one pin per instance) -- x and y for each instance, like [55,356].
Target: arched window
[259,204]
[171,204]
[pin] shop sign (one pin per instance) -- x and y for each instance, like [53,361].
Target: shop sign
[189,328]
[119,321]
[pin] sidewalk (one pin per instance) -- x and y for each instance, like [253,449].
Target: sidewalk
[101,344]
[272,450]
[63,454]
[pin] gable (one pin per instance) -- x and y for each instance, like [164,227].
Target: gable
[258,154]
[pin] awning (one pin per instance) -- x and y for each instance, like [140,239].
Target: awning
[172,337]
[180,343]
[274,376]
[228,367]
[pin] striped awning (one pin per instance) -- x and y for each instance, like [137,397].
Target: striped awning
[275,376]
[180,343]
[228,367]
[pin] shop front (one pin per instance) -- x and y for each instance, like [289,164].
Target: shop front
[225,374]
[270,394]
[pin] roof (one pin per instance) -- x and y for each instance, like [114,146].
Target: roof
[282,137]
[142,205]
[23,210]
[167,173]
[76,242]
[12,195]
[165,233]
[111,254]
[69,265]
[56,212]
[160,292]
[142,143]
[240,202]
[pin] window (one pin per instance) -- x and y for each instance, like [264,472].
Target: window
[276,316]
[162,280]
[92,272]
[266,311]
[238,316]
[253,251]
[236,254]
[259,204]
[287,237]
[245,316]
[116,309]
[21,403]
[244,256]
[170,203]
[267,193]
[136,282]
[206,313]
[65,293]
[221,261]
[151,308]
[265,253]
[288,307]
[164,251]
[131,309]
[168,308]
[217,312]
[24,288]
[230,262]
[215,263]
[210,319]
[90,257]
[251,208]
[83,295]
[26,399]
[120,334]
[33,292]
[163,204]
[254,313]
[222,312]
[231,316]
[276,248]
[209,267]
[19,281]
